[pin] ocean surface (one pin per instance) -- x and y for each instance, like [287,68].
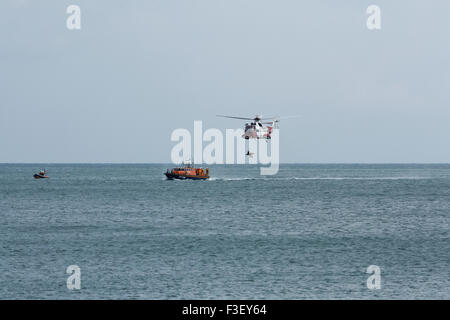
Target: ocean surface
[309,232]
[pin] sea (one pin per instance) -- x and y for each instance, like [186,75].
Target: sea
[312,231]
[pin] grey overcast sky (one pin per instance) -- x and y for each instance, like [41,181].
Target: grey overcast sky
[116,89]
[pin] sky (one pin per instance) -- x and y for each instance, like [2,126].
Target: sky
[115,90]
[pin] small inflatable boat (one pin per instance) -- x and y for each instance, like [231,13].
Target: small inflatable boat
[38,176]
[41,175]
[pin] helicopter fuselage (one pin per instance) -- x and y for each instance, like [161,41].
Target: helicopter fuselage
[256,130]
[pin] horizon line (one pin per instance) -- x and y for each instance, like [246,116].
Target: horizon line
[281,163]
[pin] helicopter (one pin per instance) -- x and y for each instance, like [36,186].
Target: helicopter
[258,129]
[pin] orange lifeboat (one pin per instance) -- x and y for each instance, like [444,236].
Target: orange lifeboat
[187,172]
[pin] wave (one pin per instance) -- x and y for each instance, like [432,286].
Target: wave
[318,178]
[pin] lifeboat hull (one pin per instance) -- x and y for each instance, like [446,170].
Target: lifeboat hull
[172,176]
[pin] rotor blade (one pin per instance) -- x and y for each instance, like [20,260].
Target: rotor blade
[268,118]
[285,117]
[288,117]
[241,118]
